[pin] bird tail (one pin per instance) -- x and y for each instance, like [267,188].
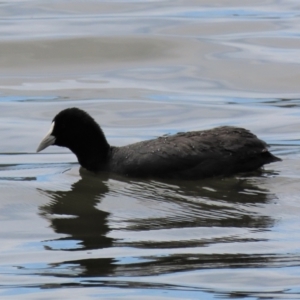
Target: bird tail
[269,157]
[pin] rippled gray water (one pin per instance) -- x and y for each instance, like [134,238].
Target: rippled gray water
[143,69]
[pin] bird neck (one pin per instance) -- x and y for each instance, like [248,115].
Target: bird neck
[92,154]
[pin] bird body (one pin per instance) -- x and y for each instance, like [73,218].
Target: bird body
[221,151]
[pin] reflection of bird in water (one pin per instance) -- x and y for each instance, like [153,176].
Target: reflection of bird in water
[221,151]
[213,204]
[219,203]
[74,213]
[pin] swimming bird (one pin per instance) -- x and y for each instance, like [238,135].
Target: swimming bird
[222,151]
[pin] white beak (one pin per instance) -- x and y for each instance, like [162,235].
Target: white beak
[48,140]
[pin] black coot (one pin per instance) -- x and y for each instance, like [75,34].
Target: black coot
[221,151]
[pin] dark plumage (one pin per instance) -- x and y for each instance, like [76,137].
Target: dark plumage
[198,154]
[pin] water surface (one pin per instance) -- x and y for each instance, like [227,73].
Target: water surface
[143,69]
